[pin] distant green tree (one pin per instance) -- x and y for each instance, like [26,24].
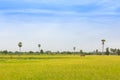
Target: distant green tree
[48,52]
[118,51]
[16,52]
[5,52]
[107,51]
[0,51]
[41,51]
[97,52]
[31,52]
[81,51]
[113,51]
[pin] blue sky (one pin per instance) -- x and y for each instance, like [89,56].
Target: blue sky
[59,25]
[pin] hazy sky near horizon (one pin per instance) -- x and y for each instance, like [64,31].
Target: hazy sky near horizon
[59,25]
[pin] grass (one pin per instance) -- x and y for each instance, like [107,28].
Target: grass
[59,67]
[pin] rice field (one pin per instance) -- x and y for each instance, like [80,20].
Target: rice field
[59,67]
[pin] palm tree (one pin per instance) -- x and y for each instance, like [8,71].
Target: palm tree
[39,46]
[20,45]
[103,43]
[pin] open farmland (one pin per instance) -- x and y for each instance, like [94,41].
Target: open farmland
[59,67]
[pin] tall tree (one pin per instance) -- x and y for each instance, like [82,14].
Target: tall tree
[41,51]
[103,43]
[81,51]
[118,51]
[39,47]
[20,45]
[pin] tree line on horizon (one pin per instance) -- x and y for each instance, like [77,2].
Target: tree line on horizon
[108,51]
